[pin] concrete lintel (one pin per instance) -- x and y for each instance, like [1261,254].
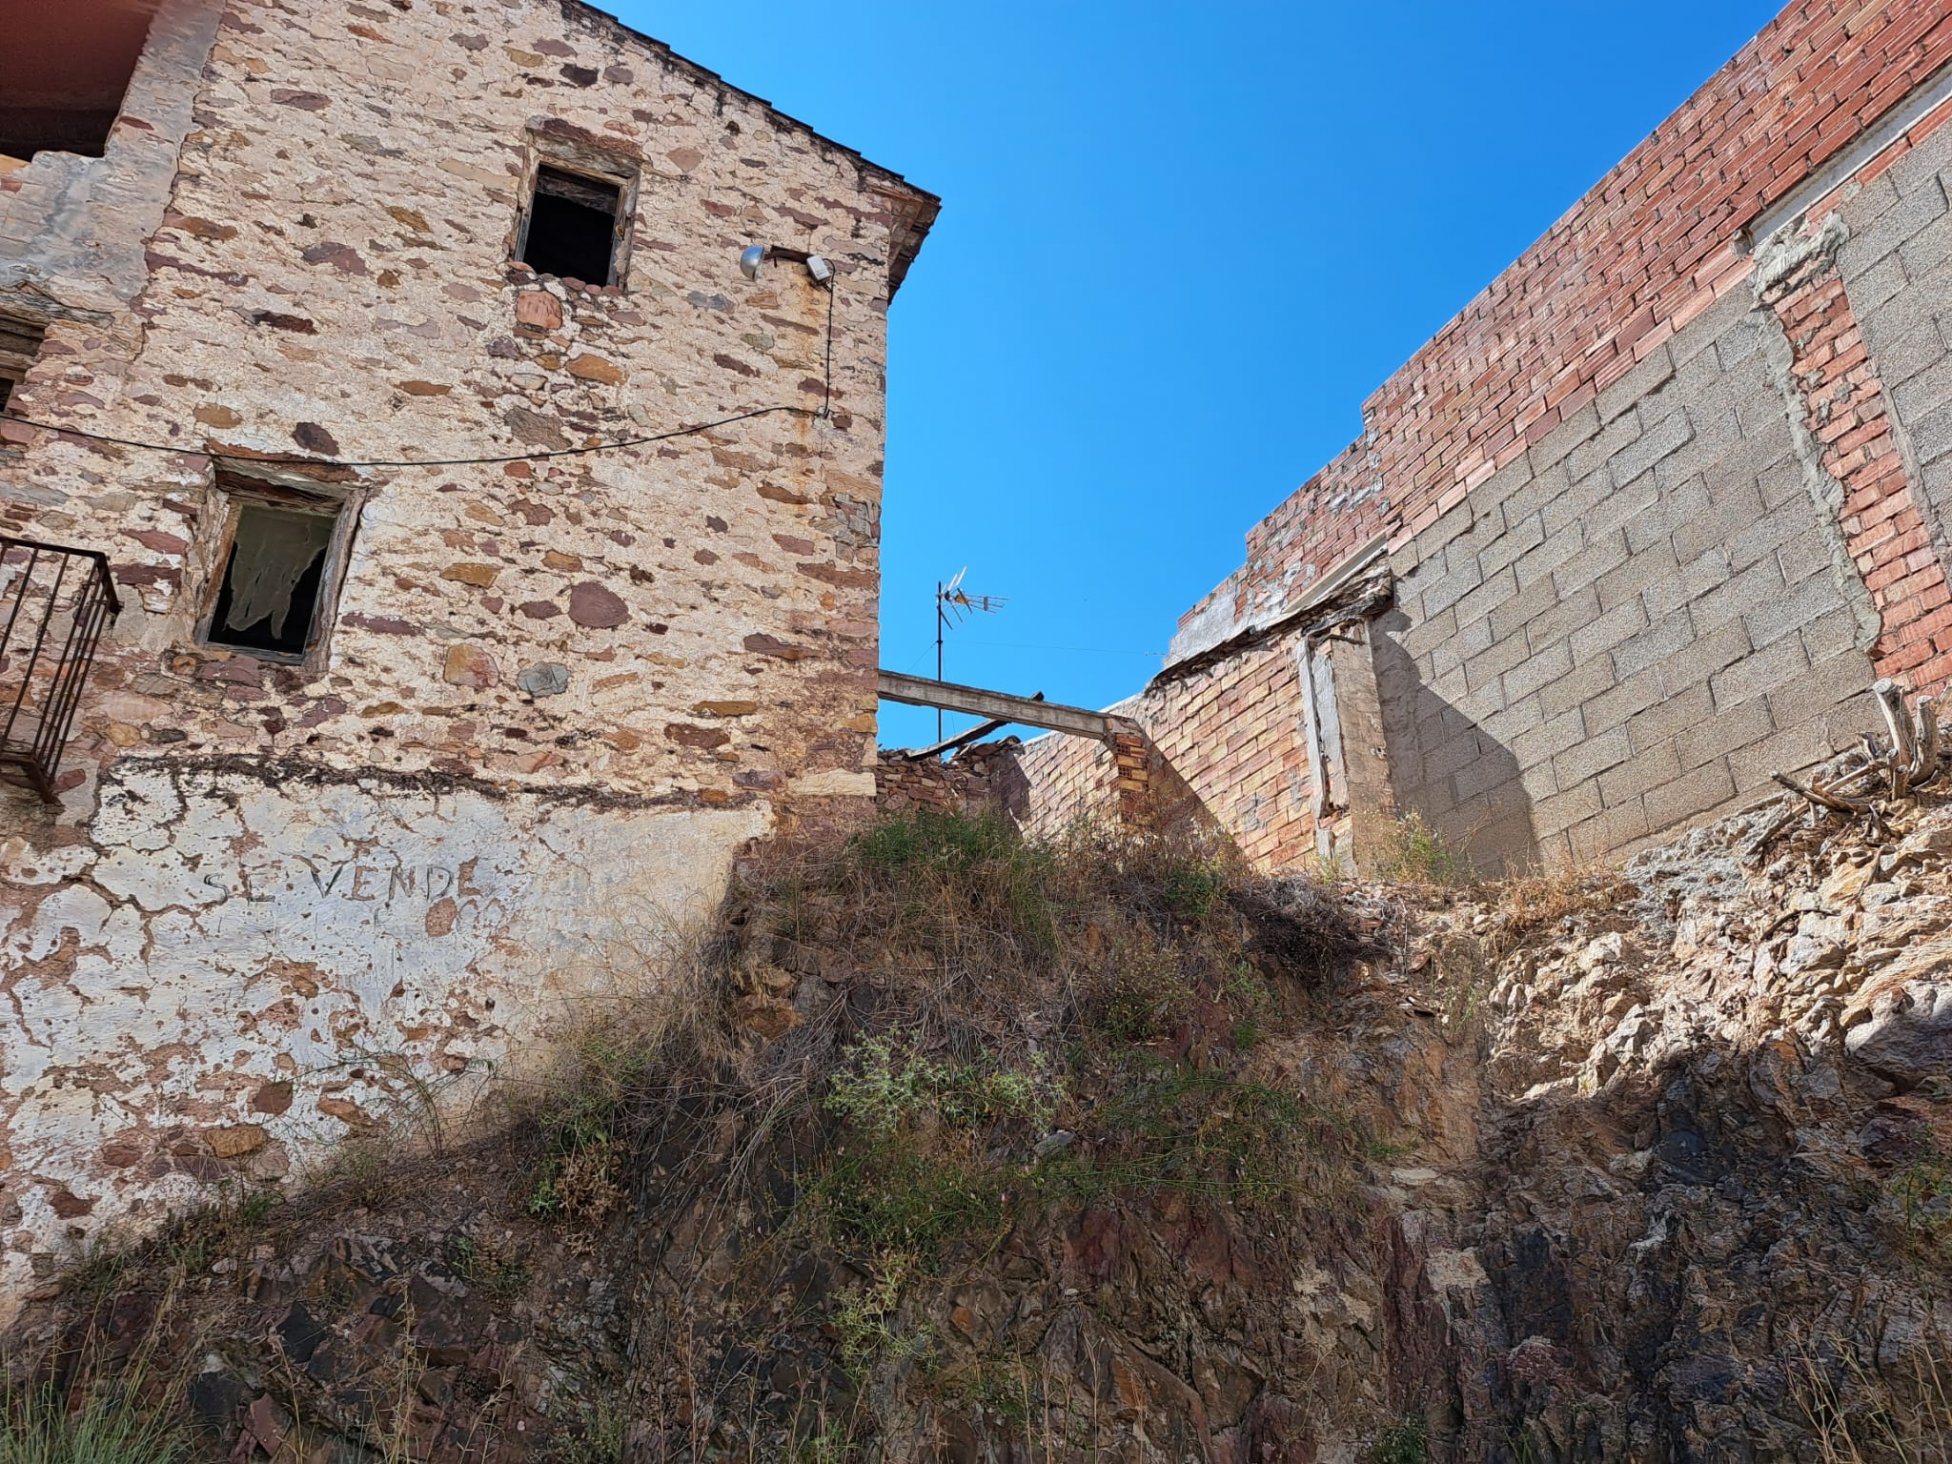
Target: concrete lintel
[919,691]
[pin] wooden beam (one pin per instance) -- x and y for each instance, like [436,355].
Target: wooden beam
[998,706]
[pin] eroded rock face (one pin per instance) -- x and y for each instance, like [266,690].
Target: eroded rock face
[1635,1182]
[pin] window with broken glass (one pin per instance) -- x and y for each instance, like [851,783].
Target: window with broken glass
[281,561]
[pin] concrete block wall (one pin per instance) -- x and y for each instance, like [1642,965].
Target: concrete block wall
[1634,623]
[1649,248]
[1665,498]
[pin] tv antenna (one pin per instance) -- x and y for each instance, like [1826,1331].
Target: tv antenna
[953,605]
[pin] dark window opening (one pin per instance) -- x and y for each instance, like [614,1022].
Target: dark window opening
[20,344]
[572,227]
[273,587]
[63,71]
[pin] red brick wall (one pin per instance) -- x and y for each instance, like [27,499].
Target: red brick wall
[1649,250]
[1646,251]
[1846,411]
[1230,738]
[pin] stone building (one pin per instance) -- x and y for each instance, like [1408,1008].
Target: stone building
[1640,526]
[361,354]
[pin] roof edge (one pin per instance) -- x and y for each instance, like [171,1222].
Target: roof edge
[915,207]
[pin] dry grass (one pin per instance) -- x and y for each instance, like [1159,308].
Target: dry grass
[980,1029]
[1417,855]
[893,1050]
[1861,1413]
[1522,904]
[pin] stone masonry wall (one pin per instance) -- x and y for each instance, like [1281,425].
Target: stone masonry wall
[1665,499]
[979,779]
[277,902]
[322,289]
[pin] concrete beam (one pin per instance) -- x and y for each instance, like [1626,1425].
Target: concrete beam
[919,691]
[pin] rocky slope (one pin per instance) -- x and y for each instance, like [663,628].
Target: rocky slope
[945,1148]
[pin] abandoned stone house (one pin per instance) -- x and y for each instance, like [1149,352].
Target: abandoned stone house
[1639,527]
[414,706]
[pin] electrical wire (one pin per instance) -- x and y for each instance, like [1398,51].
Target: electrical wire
[293,459]
[298,459]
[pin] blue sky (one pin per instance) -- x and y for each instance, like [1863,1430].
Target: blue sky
[1180,243]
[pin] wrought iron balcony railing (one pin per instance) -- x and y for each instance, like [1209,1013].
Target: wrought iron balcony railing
[54,604]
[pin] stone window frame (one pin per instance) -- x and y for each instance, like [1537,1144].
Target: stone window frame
[20,348]
[551,146]
[235,487]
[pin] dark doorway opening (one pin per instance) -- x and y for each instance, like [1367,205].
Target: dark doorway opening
[572,227]
[63,71]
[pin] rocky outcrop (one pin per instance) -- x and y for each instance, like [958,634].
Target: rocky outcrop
[959,1150]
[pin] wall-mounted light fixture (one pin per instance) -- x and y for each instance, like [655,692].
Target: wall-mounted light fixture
[755,255]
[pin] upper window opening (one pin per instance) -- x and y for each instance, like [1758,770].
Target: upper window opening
[572,227]
[63,71]
[278,572]
[20,343]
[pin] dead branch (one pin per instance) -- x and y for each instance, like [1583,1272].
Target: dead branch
[1877,773]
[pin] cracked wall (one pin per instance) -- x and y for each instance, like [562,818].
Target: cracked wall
[241,966]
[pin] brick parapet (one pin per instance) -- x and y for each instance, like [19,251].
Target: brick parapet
[1650,248]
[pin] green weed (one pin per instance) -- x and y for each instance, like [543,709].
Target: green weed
[1415,853]
[889,1082]
[1407,1441]
[107,1428]
[867,1316]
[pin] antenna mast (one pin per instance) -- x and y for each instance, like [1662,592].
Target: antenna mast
[953,605]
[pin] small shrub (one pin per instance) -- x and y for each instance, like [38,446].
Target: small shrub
[928,839]
[889,1083]
[1922,1194]
[866,1317]
[579,1182]
[1195,887]
[1407,1441]
[602,1436]
[480,1266]
[361,1169]
[944,878]
[1140,999]
[1191,1130]
[1417,854]
[1529,902]
[830,1445]
[257,1207]
[890,1193]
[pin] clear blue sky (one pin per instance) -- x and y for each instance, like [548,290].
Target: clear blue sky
[1180,243]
